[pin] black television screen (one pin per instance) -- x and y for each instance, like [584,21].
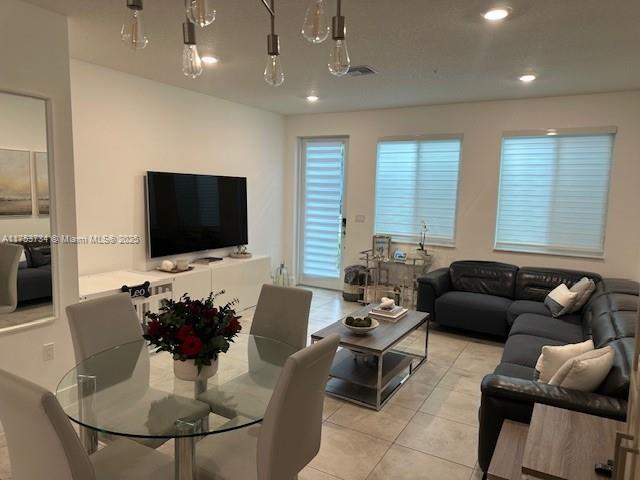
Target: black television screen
[191,213]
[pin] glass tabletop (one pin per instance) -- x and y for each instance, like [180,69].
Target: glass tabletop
[127,391]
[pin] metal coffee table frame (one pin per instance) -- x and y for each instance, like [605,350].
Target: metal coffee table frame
[373,384]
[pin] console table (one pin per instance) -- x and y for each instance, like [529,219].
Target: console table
[558,444]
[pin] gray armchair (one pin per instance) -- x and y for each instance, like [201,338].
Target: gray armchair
[9,259]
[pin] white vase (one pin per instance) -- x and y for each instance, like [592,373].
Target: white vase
[188,370]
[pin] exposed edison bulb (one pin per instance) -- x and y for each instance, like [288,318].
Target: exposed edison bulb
[132,32]
[315,28]
[191,61]
[199,12]
[339,61]
[273,73]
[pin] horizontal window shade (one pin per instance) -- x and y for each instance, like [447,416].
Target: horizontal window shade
[553,194]
[323,184]
[417,181]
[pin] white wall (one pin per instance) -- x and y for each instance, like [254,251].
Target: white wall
[125,125]
[482,125]
[23,127]
[38,64]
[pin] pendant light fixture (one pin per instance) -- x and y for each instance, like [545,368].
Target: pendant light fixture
[339,61]
[315,28]
[273,73]
[200,12]
[132,31]
[191,61]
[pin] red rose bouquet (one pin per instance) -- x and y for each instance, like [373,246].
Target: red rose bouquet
[193,329]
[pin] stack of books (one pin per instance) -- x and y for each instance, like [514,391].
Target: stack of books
[392,315]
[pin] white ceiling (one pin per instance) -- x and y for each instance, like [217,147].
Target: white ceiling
[425,51]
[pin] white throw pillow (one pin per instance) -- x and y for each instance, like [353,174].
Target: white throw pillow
[560,300]
[554,357]
[584,288]
[585,372]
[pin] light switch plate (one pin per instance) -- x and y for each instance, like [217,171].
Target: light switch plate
[360,218]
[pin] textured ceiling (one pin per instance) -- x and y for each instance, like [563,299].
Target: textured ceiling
[424,51]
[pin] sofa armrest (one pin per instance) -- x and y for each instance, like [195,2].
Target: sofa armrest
[430,287]
[508,398]
[530,391]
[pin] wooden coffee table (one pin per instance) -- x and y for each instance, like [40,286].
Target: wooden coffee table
[369,369]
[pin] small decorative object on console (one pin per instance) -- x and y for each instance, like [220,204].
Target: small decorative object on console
[399,256]
[138,291]
[381,246]
[241,252]
[170,267]
[281,276]
[195,332]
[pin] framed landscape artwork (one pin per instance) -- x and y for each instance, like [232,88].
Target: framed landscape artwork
[15,183]
[42,182]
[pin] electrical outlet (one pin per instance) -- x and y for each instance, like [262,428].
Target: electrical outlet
[359,218]
[48,352]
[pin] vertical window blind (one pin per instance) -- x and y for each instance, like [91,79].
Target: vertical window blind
[322,223]
[553,194]
[416,182]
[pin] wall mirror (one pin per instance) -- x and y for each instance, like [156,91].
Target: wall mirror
[25,229]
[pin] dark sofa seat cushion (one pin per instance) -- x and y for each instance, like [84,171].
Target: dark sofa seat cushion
[473,311]
[519,307]
[34,284]
[566,329]
[490,278]
[515,370]
[534,283]
[524,350]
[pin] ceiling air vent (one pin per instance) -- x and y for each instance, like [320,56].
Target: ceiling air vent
[361,70]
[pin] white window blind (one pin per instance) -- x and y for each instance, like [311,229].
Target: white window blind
[553,194]
[323,184]
[417,181]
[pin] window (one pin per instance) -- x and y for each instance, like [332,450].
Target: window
[416,182]
[553,194]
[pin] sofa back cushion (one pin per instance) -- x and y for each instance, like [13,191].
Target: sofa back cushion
[491,278]
[533,283]
[616,383]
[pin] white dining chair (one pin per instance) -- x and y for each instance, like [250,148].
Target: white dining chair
[9,259]
[282,313]
[103,323]
[44,446]
[290,434]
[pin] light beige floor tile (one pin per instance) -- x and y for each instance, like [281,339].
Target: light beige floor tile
[348,454]
[331,405]
[401,463]
[479,358]
[309,473]
[477,474]
[452,405]
[443,438]
[462,381]
[385,424]
[430,373]
[412,394]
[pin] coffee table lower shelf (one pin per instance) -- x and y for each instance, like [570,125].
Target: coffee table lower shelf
[358,382]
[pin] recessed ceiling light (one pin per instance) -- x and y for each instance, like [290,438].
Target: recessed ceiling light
[209,60]
[528,78]
[496,14]
[312,98]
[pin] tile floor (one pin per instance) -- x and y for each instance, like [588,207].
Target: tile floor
[428,431]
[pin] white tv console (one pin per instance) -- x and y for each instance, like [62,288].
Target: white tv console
[240,278]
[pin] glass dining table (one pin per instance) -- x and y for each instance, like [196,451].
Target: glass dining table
[127,392]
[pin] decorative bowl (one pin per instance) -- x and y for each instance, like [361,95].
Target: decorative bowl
[362,330]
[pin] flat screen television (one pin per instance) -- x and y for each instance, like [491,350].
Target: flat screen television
[192,213]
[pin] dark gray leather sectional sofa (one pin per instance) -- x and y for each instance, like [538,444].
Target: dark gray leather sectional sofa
[609,318]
